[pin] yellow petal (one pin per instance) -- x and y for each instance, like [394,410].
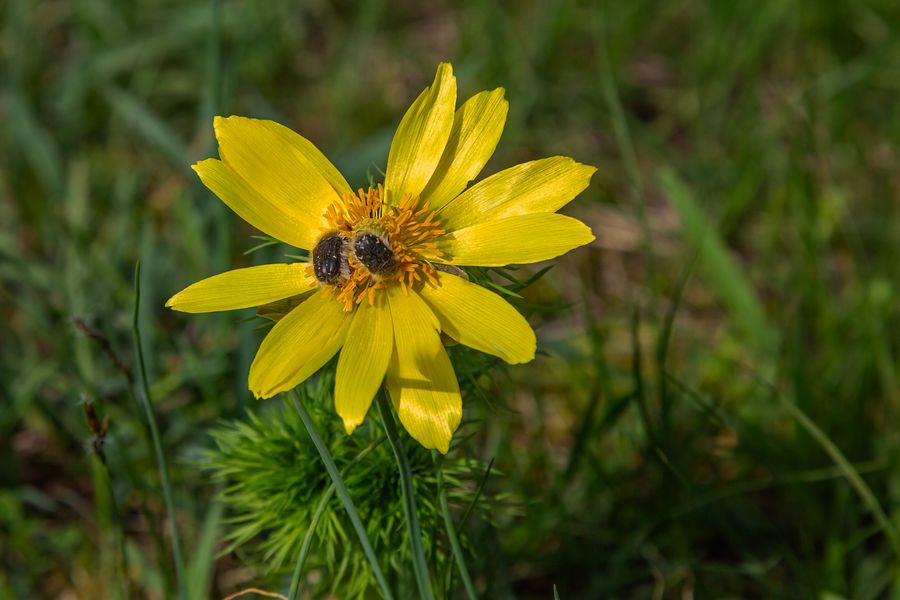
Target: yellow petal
[514,240]
[309,151]
[363,361]
[271,218]
[477,127]
[544,185]
[480,319]
[298,345]
[283,176]
[421,137]
[420,378]
[243,288]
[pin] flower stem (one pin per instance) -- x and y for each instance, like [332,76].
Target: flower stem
[420,566]
[307,542]
[320,510]
[451,531]
[325,454]
[154,434]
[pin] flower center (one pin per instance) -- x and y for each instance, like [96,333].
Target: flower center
[367,246]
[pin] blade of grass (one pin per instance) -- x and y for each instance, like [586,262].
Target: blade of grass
[147,124]
[451,531]
[420,565]
[123,452]
[34,141]
[640,395]
[662,343]
[859,485]
[154,433]
[725,275]
[625,143]
[317,516]
[341,489]
[622,134]
[200,567]
[108,513]
[211,95]
[478,491]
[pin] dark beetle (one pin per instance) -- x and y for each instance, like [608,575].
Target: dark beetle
[329,258]
[374,253]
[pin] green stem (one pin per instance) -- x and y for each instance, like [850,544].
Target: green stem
[420,566]
[341,489]
[320,510]
[451,531]
[154,433]
[307,542]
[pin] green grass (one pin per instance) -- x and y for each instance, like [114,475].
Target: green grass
[715,404]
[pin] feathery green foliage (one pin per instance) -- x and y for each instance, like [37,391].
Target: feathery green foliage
[273,481]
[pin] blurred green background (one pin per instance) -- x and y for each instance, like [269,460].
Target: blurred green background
[715,410]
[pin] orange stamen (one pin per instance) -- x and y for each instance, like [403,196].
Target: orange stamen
[409,227]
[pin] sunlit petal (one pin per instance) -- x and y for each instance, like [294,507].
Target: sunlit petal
[420,378]
[279,221]
[363,362]
[480,319]
[312,154]
[477,127]
[298,345]
[544,185]
[521,239]
[243,288]
[421,137]
[280,173]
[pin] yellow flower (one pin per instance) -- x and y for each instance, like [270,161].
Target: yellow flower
[382,282]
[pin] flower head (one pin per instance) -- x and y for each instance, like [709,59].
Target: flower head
[382,282]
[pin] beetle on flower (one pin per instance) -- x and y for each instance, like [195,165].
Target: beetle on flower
[382,284]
